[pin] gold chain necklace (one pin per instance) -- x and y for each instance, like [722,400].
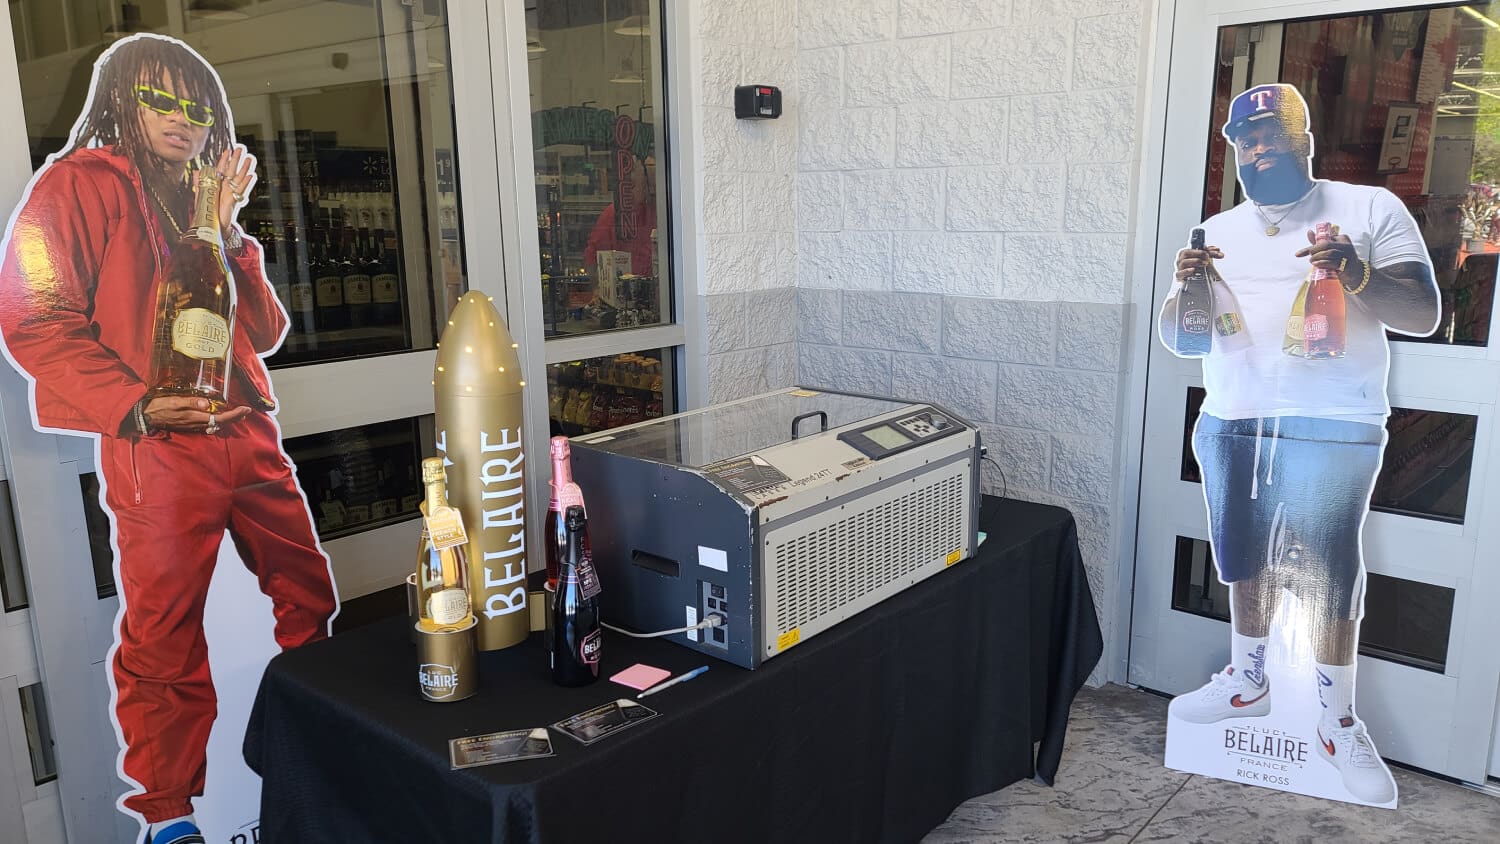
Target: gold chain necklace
[1273,227]
[176,228]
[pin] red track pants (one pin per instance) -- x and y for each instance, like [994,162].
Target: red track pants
[172,498]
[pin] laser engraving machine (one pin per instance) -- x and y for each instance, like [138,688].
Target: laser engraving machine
[785,513]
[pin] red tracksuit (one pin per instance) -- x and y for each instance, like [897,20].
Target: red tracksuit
[77,308]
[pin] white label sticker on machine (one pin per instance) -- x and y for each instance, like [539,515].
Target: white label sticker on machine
[692,619]
[713,558]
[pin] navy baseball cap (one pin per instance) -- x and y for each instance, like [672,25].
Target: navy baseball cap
[1279,102]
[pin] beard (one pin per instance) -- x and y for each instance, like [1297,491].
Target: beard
[1285,182]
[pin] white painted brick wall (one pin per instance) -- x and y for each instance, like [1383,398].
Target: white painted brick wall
[949,191]
[749,181]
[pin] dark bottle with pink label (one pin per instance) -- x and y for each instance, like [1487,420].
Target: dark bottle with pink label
[577,638]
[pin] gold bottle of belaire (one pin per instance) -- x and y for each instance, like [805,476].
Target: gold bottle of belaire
[442,566]
[1294,342]
[444,629]
[192,346]
[477,385]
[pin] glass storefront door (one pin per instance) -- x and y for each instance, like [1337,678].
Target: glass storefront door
[364,118]
[1406,97]
[596,78]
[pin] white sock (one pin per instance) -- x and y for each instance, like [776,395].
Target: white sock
[1248,657]
[161,825]
[1336,691]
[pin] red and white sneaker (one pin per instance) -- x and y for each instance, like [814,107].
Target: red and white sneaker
[1348,747]
[1227,695]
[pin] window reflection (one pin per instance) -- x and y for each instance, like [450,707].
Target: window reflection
[101,554]
[12,574]
[1405,100]
[1425,472]
[37,724]
[601,220]
[348,108]
[606,392]
[1405,621]
[364,477]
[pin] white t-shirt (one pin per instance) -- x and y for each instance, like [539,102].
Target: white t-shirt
[1265,275]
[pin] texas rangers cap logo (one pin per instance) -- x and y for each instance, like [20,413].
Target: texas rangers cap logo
[1279,102]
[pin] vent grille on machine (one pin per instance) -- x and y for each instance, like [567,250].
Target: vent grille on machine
[837,563]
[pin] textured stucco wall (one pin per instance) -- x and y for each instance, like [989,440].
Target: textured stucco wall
[961,195]
[749,218]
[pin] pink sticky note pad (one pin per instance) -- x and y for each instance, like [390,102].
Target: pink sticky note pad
[640,676]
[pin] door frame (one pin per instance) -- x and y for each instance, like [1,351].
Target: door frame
[1475,683]
[69,621]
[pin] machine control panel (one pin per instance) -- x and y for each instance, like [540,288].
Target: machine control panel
[882,439]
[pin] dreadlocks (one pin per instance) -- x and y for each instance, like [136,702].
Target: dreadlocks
[112,118]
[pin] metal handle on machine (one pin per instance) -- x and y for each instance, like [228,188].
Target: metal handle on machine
[822,417]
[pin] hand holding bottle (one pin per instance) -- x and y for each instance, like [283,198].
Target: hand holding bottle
[1191,261]
[185,413]
[1336,253]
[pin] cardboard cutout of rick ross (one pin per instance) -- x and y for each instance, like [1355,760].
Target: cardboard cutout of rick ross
[84,257]
[1287,297]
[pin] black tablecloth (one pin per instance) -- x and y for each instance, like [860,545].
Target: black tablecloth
[872,731]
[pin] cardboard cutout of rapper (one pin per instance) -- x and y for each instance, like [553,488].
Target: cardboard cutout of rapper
[167,378]
[1286,298]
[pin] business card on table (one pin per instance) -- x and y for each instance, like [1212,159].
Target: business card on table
[488,749]
[588,727]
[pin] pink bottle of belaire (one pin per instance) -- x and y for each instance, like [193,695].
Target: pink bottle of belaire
[564,493]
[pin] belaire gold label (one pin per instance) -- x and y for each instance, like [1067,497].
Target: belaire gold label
[200,334]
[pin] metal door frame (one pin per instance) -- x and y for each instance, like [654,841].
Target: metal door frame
[70,621]
[1440,376]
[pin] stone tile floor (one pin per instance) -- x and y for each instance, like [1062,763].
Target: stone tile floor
[1112,788]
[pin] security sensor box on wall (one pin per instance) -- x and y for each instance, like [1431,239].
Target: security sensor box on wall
[757,102]
[785,513]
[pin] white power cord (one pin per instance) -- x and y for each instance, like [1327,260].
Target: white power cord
[713,620]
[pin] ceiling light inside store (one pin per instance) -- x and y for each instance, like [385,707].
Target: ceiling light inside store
[637,25]
[1479,17]
[627,74]
[218,10]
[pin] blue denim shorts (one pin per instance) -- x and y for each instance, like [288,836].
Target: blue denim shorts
[1289,495]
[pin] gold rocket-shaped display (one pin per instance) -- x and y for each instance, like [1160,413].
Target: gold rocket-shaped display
[478,384]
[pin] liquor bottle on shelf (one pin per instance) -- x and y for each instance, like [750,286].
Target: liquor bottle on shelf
[300,305]
[385,209]
[577,638]
[192,347]
[329,285]
[1294,343]
[385,282]
[442,567]
[276,270]
[1195,307]
[565,493]
[1323,320]
[334,516]
[356,282]
[412,497]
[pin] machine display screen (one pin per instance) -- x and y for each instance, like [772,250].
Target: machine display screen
[887,437]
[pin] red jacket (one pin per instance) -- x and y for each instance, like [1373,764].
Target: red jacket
[603,236]
[78,296]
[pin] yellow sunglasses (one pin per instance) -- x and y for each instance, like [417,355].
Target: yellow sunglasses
[163,102]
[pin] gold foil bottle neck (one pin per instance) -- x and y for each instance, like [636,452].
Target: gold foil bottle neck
[477,356]
[432,470]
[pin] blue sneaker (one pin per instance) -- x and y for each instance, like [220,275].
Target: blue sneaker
[181,832]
